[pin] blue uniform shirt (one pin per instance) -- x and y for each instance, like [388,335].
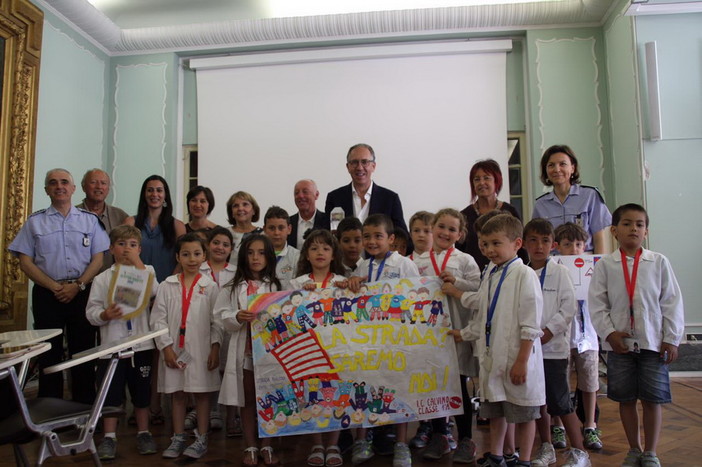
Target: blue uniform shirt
[583,206]
[61,247]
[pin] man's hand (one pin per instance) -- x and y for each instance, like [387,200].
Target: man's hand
[67,292]
[616,340]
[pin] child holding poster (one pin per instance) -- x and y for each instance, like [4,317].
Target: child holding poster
[637,310]
[190,351]
[382,264]
[320,267]
[507,330]
[104,311]
[255,274]
[458,268]
[571,240]
[559,309]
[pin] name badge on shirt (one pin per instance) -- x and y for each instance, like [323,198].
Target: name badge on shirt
[584,345]
[86,241]
[487,361]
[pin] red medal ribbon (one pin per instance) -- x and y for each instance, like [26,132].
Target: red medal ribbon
[443,265]
[212,273]
[326,279]
[186,298]
[631,283]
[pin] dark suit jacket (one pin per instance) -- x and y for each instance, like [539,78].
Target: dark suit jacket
[383,201]
[321,221]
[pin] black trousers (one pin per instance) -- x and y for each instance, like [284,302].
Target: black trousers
[80,335]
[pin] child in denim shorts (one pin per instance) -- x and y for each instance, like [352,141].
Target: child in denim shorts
[637,310]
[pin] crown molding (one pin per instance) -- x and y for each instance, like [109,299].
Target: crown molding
[93,24]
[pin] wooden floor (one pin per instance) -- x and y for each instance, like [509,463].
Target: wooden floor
[680,442]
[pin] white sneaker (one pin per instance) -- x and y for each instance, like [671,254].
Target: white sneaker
[545,456]
[576,458]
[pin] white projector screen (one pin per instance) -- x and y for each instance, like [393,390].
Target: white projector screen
[268,120]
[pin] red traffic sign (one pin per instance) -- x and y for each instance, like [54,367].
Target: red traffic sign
[579,262]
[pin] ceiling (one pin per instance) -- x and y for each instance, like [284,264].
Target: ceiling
[126,27]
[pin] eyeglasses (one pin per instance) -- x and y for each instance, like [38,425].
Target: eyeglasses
[362,162]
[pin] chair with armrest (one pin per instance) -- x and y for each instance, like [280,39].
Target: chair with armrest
[44,418]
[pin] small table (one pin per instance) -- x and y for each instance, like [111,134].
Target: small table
[27,337]
[22,356]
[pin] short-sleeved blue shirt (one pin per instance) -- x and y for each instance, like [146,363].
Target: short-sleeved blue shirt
[583,206]
[61,247]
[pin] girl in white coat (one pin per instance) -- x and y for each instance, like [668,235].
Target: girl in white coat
[190,351]
[255,274]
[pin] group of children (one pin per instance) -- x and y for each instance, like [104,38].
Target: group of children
[515,325]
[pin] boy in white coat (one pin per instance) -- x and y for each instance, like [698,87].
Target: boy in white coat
[507,329]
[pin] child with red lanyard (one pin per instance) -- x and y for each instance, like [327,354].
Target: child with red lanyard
[636,307]
[255,274]
[321,267]
[190,351]
[461,270]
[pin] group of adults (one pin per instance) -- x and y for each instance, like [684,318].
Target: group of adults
[63,247]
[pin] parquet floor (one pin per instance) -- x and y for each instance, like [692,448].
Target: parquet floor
[680,443]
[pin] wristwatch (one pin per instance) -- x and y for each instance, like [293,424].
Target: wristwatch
[81,285]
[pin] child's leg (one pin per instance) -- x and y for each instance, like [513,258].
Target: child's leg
[401,433]
[630,421]
[248,412]
[572,428]
[202,405]
[498,429]
[543,425]
[178,401]
[652,420]
[589,403]
[525,438]
[510,445]
[142,418]
[109,424]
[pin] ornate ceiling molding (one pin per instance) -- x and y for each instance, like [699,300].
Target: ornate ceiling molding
[384,24]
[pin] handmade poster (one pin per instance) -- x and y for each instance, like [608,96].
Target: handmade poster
[330,359]
[130,288]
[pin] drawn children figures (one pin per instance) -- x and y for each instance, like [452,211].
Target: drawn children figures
[419,304]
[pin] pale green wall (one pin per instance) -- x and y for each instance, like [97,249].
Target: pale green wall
[72,116]
[189,107]
[675,163]
[568,100]
[516,113]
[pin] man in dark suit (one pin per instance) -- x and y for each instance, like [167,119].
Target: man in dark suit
[308,216]
[362,197]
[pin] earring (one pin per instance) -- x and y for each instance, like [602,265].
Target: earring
[165,204]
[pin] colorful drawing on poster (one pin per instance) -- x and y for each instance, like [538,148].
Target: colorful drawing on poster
[580,268]
[330,359]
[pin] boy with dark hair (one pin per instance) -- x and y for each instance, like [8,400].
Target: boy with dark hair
[276,226]
[637,310]
[349,234]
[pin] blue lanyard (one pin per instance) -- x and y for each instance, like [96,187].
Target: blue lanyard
[543,275]
[277,259]
[380,267]
[493,303]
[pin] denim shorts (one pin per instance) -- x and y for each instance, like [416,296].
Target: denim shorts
[642,376]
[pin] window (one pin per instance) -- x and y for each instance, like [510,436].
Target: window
[518,167]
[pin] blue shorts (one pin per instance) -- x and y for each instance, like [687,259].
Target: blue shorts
[642,376]
[558,400]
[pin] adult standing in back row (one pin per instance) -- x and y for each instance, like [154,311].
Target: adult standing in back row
[571,202]
[362,197]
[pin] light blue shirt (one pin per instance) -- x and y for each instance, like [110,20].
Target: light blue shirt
[61,247]
[583,206]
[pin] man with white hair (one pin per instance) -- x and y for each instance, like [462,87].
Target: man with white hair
[60,249]
[308,216]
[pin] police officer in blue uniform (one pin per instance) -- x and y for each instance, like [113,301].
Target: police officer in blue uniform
[61,249]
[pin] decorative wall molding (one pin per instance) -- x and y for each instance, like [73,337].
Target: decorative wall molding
[383,24]
[540,43]
[115,151]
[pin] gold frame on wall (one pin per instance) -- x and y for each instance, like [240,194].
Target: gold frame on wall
[21,25]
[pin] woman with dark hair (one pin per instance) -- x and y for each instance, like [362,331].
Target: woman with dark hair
[485,184]
[159,229]
[571,202]
[200,204]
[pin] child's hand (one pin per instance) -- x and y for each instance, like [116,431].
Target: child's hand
[213,358]
[456,335]
[518,373]
[341,284]
[134,258]
[355,283]
[451,290]
[309,286]
[245,316]
[616,340]
[669,353]
[446,276]
[111,312]
[170,357]
[548,335]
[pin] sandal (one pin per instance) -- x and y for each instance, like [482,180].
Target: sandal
[250,456]
[334,458]
[268,457]
[157,417]
[316,457]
